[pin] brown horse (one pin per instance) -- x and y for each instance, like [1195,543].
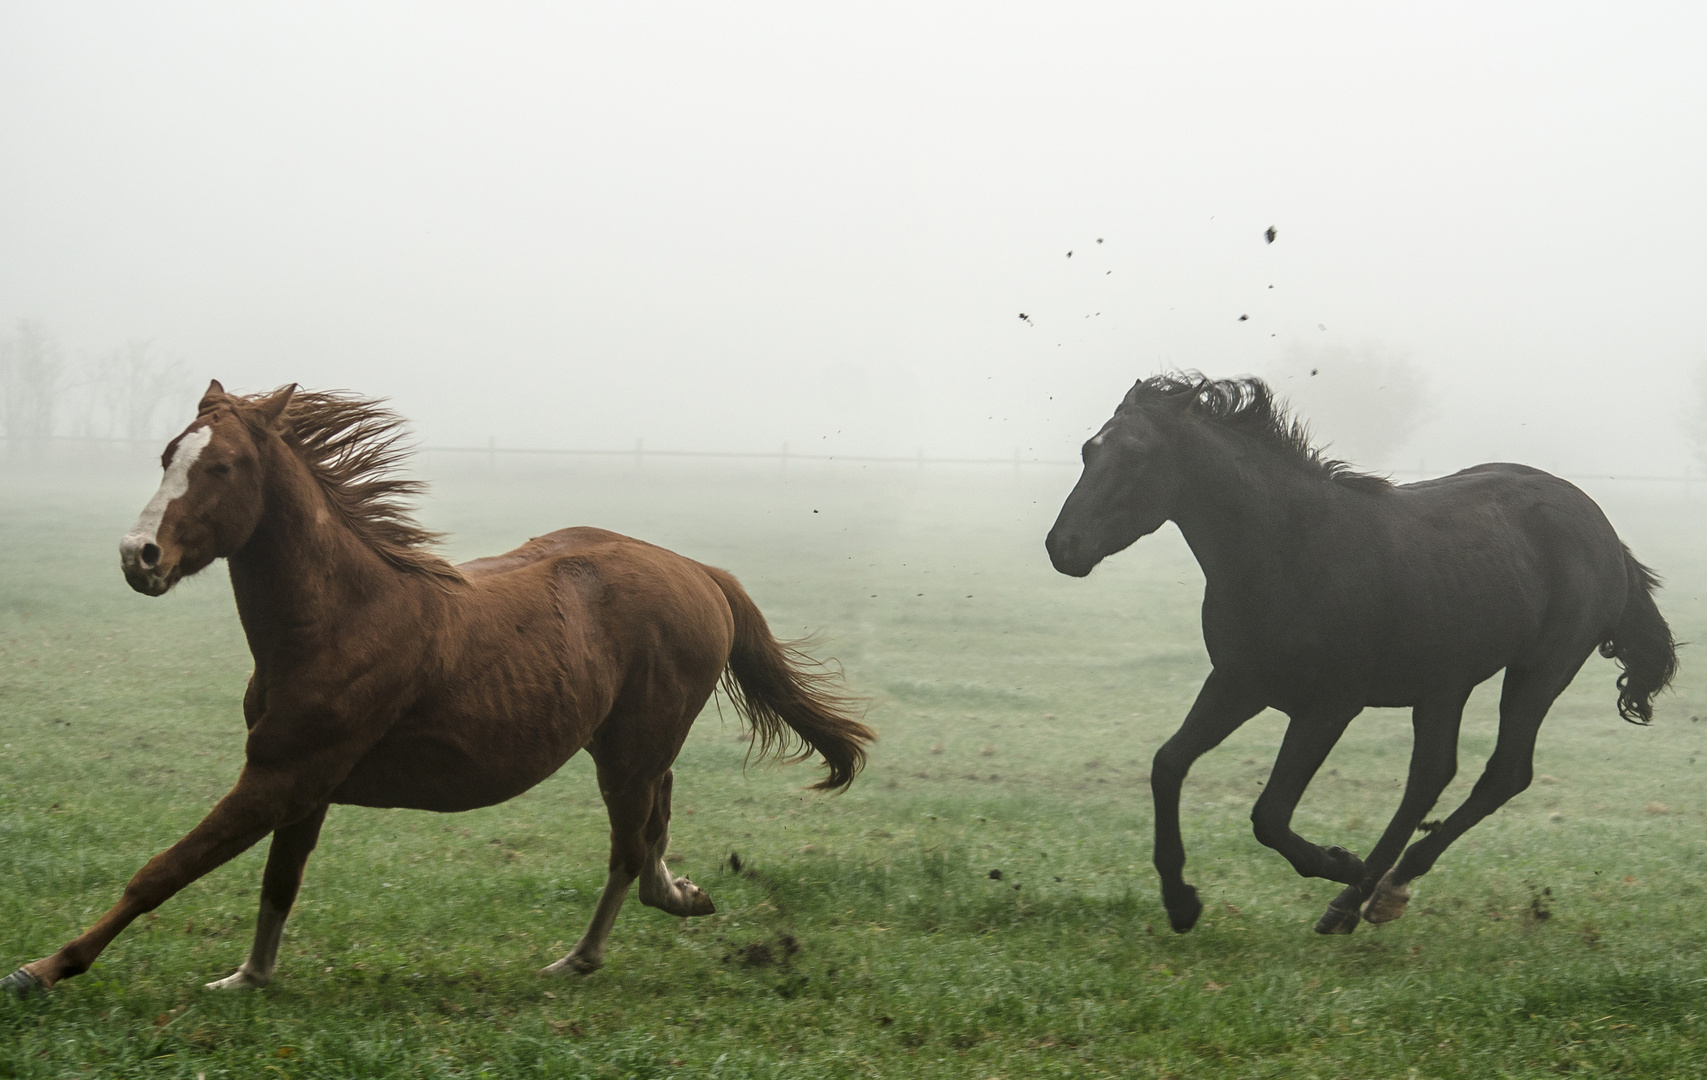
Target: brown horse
[385,676]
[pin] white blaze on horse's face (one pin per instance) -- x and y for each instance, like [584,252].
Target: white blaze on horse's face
[139,551]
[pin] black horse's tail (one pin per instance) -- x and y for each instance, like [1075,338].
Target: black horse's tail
[1643,644]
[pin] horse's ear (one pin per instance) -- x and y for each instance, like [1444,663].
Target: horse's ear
[215,394]
[273,406]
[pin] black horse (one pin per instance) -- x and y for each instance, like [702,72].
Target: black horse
[1328,590]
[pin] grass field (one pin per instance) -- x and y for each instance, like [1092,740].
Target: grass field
[868,934]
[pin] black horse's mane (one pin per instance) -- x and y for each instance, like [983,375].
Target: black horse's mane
[1248,406]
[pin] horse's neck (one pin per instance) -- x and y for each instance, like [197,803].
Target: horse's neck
[1240,510]
[304,570]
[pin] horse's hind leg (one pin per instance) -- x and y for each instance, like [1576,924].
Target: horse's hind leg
[588,955]
[629,804]
[639,834]
[288,854]
[1524,701]
[1434,761]
[678,896]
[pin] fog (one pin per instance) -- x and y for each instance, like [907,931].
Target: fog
[742,226]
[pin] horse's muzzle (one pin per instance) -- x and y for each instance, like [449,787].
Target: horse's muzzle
[139,557]
[1069,555]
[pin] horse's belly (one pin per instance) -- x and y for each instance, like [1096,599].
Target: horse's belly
[421,770]
[1377,677]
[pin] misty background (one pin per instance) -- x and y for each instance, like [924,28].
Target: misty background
[730,228]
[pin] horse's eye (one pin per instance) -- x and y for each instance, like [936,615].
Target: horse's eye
[219,470]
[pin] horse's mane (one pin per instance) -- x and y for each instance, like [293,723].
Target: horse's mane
[353,447]
[1248,406]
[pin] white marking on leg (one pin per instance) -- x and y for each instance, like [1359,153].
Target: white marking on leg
[257,971]
[1388,901]
[678,896]
[588,955]
[172,485]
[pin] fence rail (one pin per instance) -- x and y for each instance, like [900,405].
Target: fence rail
[785,455]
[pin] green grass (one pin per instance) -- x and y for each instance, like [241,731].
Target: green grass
[866,936]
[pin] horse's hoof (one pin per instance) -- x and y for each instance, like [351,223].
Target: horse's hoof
[572,965]
[21,984]
[1389,901]
[1183,909]
[1337,920]
[682,898]
[699,901]
[1341,916]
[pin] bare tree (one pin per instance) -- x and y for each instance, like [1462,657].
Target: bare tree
[32,376]
[1365,402]
[114,394]
[137,386]
[122,389]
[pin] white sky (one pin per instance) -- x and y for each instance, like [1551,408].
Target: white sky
[731,226]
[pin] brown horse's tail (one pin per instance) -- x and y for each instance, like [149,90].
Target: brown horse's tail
[1642,643]
[774,683]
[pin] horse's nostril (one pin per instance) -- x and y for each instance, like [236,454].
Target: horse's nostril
[150,555]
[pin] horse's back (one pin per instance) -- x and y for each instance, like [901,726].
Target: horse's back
[639,599]
[540,548]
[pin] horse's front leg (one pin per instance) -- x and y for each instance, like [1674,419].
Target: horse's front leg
[292,844]
[1222,705]
[263,800]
